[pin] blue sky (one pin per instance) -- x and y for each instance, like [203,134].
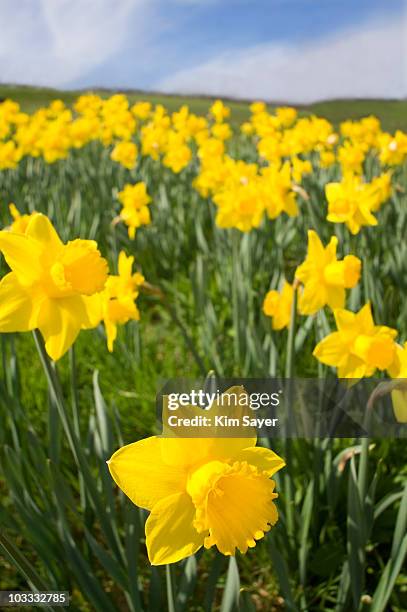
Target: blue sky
[296,50]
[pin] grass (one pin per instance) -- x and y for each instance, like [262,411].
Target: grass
[392,113]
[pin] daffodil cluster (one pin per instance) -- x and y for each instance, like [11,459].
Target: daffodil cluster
[60,288]
[289,149]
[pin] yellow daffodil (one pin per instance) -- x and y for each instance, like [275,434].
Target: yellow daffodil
[277,192]
[326,159]
[116,305]
[200,492]
[178,154]
[10,154]
[359,347]
[135,211]
[141,110]
[286,115]
[364,132]
[154,138]
[299,167]
[393,149]
[125,153]
[351,202]
[381,187]
[324,277]
[277,305]
[49,284]
[219,111]
[239,207]
[222,131]
[88,104]
[351,158]
[257,107]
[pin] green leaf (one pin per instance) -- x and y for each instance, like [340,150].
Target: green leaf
[230,599]
[281,570]
[356,536]
[327,558]
[22,564]
[187,583]
[216,569]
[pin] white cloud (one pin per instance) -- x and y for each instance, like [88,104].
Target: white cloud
[53,42]
[368,62]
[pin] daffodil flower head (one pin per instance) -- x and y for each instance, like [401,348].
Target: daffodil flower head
[351,202]
[276,191]
[300,167]
[219,111]
[178,154]
[200,491]
[116,305]
[125,153]
[324,277]
[240,206]
[49,284]
[222,131]
[351,157]
[135,211]
[359,347]
[277,305]
[257,107]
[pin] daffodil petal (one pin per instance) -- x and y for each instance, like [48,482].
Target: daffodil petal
[335,297]
[330,350]
[170,535]
[18,249]
[125,264]
[264,459]
[93,307]
[17,308]
[353,367]
[60,321]
[111,334]
[192,451]
[316,249]
[139,470]
[313,298]
[41,229]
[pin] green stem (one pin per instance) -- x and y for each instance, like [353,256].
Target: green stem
[363,469]
[289,372]
[235,295]
[74,390]
[170,580]
[56,391]
[188,340]
[73,440]
[289,364]
[75,413]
